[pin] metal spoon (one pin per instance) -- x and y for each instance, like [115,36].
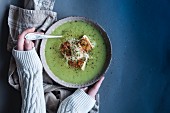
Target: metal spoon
[35,36]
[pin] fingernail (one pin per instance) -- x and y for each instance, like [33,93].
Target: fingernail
[32,29]
[102,78]
[85,88]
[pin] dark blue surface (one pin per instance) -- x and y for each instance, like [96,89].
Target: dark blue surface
[138,80]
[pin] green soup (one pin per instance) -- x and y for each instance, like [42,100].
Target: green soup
[57,63]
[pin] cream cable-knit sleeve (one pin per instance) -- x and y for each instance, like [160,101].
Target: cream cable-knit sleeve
[29,70]
[78,102]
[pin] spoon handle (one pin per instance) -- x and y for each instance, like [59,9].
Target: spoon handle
[34,36]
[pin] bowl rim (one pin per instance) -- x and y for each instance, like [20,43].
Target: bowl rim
[108,56]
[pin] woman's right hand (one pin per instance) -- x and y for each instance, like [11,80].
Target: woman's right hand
[24,44]
[93,90]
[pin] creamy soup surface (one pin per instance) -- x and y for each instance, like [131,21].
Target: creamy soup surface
[57,63]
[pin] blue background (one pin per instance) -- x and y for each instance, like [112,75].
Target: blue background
[138,80]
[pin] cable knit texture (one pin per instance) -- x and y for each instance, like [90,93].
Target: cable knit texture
[78,102]
[29,69]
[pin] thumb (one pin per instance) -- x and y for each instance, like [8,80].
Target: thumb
[93,91]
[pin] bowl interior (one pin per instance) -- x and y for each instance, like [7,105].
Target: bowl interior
[106,41]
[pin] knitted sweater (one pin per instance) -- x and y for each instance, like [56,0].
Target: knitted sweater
[29,70]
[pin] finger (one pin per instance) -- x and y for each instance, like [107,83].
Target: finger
[20,44]
[28,45]
[93,91]
[26,32]
[32,43]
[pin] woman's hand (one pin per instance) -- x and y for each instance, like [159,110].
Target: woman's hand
[24,44]
[93,91]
